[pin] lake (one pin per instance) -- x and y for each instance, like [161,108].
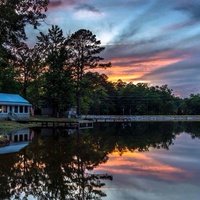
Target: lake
[122,161]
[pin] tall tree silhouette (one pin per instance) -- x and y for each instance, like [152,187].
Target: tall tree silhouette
[54,54]
[14,16]
[26,62]
[85,56]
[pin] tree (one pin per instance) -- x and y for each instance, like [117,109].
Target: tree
[7,79]
[14,16]
[54,54]
[85,49]
[192,104]
[26,62]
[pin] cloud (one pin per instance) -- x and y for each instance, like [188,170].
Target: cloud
[86,11]
[134,68]
[182,76]
[182,25]
[149,13]
[190,7]
[55,4]
[87,7]
[144,35]
[154,14]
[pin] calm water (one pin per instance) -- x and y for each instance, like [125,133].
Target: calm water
[138,161]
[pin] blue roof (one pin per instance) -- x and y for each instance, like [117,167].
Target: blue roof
[12,99]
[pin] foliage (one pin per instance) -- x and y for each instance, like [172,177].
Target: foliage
[59,70]
[54,56]
[26,62]
[85,49]
[59,165]
[15,14]
[192,104]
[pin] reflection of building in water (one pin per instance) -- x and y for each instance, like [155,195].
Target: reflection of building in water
[17,141]
[50,131]
[23,135]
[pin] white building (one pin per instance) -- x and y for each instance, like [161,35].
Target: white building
[14,107]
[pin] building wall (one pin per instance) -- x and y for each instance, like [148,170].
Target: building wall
[18,112]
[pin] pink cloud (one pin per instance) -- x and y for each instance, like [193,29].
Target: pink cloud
[54,4]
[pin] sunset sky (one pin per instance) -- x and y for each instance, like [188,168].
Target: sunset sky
[152,41]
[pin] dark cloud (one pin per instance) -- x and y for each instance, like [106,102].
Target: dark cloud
[150,11]
[156,10]
[142,50]
[192,8]
[181,76]
[87,7]
[54,4]
[146,48]
[182,25]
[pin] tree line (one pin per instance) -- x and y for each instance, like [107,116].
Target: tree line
[56,70]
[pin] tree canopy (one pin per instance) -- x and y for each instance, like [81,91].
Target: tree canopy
[58,71]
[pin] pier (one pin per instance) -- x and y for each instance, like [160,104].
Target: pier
[60,124]
[140,118]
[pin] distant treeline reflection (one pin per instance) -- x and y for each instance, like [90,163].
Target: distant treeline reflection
[59,165]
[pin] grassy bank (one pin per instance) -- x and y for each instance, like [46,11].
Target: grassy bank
[44,118]
[8,126]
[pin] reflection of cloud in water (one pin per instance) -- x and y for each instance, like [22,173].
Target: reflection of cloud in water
[156,174]
[141,164]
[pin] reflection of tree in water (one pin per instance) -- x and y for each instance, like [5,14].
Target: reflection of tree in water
[54,168]
[135,136]
[60,166]
[193,129]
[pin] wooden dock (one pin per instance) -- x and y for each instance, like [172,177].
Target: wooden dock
[60,124]
[140,118]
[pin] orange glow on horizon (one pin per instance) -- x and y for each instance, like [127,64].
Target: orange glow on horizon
[138,70]
[133,69]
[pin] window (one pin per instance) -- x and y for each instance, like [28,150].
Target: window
[20,138]
[1,108]
[26,109]
[9,108]
[16,138]
[21,109]
[16,109]
[4,109]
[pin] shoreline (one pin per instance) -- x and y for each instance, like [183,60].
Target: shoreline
[9,126]
[141,118]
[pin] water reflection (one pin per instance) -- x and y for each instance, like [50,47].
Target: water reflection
[60,164]
[56,167]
